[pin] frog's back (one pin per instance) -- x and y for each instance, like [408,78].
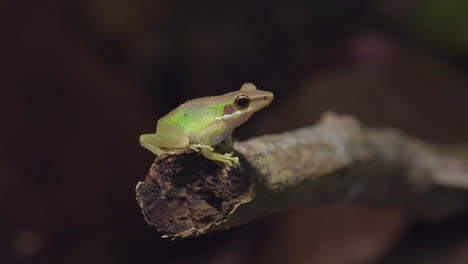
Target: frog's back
[193,116]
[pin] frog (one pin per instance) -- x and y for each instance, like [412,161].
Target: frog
[206,122]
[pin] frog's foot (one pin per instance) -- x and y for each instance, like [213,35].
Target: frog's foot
[198,147]
[227,159]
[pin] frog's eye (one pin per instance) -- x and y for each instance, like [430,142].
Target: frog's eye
[242,101]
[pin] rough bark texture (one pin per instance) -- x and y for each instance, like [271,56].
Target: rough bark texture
[185,194]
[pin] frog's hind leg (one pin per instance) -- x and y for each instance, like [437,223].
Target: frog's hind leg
[166,138]
[147,141]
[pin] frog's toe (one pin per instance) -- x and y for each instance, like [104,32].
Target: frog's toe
[232,160]
[195,148]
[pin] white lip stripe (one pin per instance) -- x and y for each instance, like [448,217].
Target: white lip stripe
[237,114]
[228,116]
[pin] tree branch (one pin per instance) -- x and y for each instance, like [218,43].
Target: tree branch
[185,194]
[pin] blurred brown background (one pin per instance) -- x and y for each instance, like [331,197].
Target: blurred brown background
[82,79]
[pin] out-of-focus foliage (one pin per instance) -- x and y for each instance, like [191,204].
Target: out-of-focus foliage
[444,23]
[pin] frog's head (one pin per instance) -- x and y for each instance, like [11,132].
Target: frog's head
[244,103]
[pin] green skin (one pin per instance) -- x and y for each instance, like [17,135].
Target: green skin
[205,122]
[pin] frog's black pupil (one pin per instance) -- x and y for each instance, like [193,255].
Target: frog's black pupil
[242,101]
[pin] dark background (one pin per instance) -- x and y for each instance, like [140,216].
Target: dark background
[82,79]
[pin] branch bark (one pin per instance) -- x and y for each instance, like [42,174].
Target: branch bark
[185,194]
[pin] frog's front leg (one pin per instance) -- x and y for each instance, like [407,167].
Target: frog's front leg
[209,153]
[205,140]
[225,158]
